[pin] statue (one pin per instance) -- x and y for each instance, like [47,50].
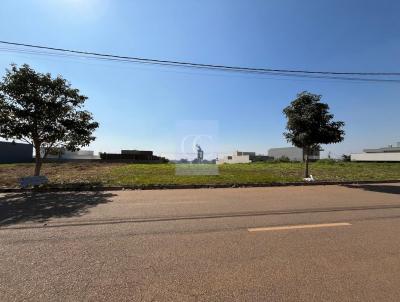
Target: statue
[200,154]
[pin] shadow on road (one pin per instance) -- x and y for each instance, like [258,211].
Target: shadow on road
[391,189]
[39,207]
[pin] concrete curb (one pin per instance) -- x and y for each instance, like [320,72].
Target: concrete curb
[71,188]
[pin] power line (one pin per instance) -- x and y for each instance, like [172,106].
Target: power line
[199,64]
[66,55]
[278,72]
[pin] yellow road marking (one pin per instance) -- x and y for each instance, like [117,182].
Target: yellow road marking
[300,226]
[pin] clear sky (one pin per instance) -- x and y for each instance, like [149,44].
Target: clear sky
[138,106]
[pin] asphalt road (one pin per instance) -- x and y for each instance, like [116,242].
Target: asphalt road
[320,243]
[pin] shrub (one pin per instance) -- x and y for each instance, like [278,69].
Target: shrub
[346,157]
[327,161]
[283,159]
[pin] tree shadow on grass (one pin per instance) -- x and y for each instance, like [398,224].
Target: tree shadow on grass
[390,189]
[40,207]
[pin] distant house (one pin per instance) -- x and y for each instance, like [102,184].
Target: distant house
[64,155]
[293,153]
[237,158]
[254,157]
[137,156]
[241,157]
[386,154]
[11,152]
[241,153]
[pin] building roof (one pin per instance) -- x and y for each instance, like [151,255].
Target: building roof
[14,143]
[383,150]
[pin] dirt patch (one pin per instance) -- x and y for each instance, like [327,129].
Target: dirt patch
[58,173]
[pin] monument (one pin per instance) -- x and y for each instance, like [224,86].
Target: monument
[200,154]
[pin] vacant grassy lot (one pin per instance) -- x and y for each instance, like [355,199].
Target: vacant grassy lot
[142,174]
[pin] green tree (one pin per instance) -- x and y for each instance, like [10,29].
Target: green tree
[309,124]
[346,157]
[43,111]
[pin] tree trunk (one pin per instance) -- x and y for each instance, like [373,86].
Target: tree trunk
[306,172]
[38,159]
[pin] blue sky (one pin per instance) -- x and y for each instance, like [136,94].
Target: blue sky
[138,106]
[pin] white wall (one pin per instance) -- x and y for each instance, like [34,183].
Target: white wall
[81,154]
[236,159]
[384,156]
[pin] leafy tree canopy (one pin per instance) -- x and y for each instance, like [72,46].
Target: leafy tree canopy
[310,124]
[44,111]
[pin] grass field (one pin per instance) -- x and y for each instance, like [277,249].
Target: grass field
[150,174]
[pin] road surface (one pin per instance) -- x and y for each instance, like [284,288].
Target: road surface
[319,243]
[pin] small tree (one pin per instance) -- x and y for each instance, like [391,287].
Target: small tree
[310,124]
[44,112]
[346,157]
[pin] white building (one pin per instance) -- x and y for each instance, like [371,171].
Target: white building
[293,153]
[389,153]
[69,155]
[237,158]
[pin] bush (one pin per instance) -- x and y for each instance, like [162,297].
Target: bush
[346,157]
[283,159]
[327,161]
